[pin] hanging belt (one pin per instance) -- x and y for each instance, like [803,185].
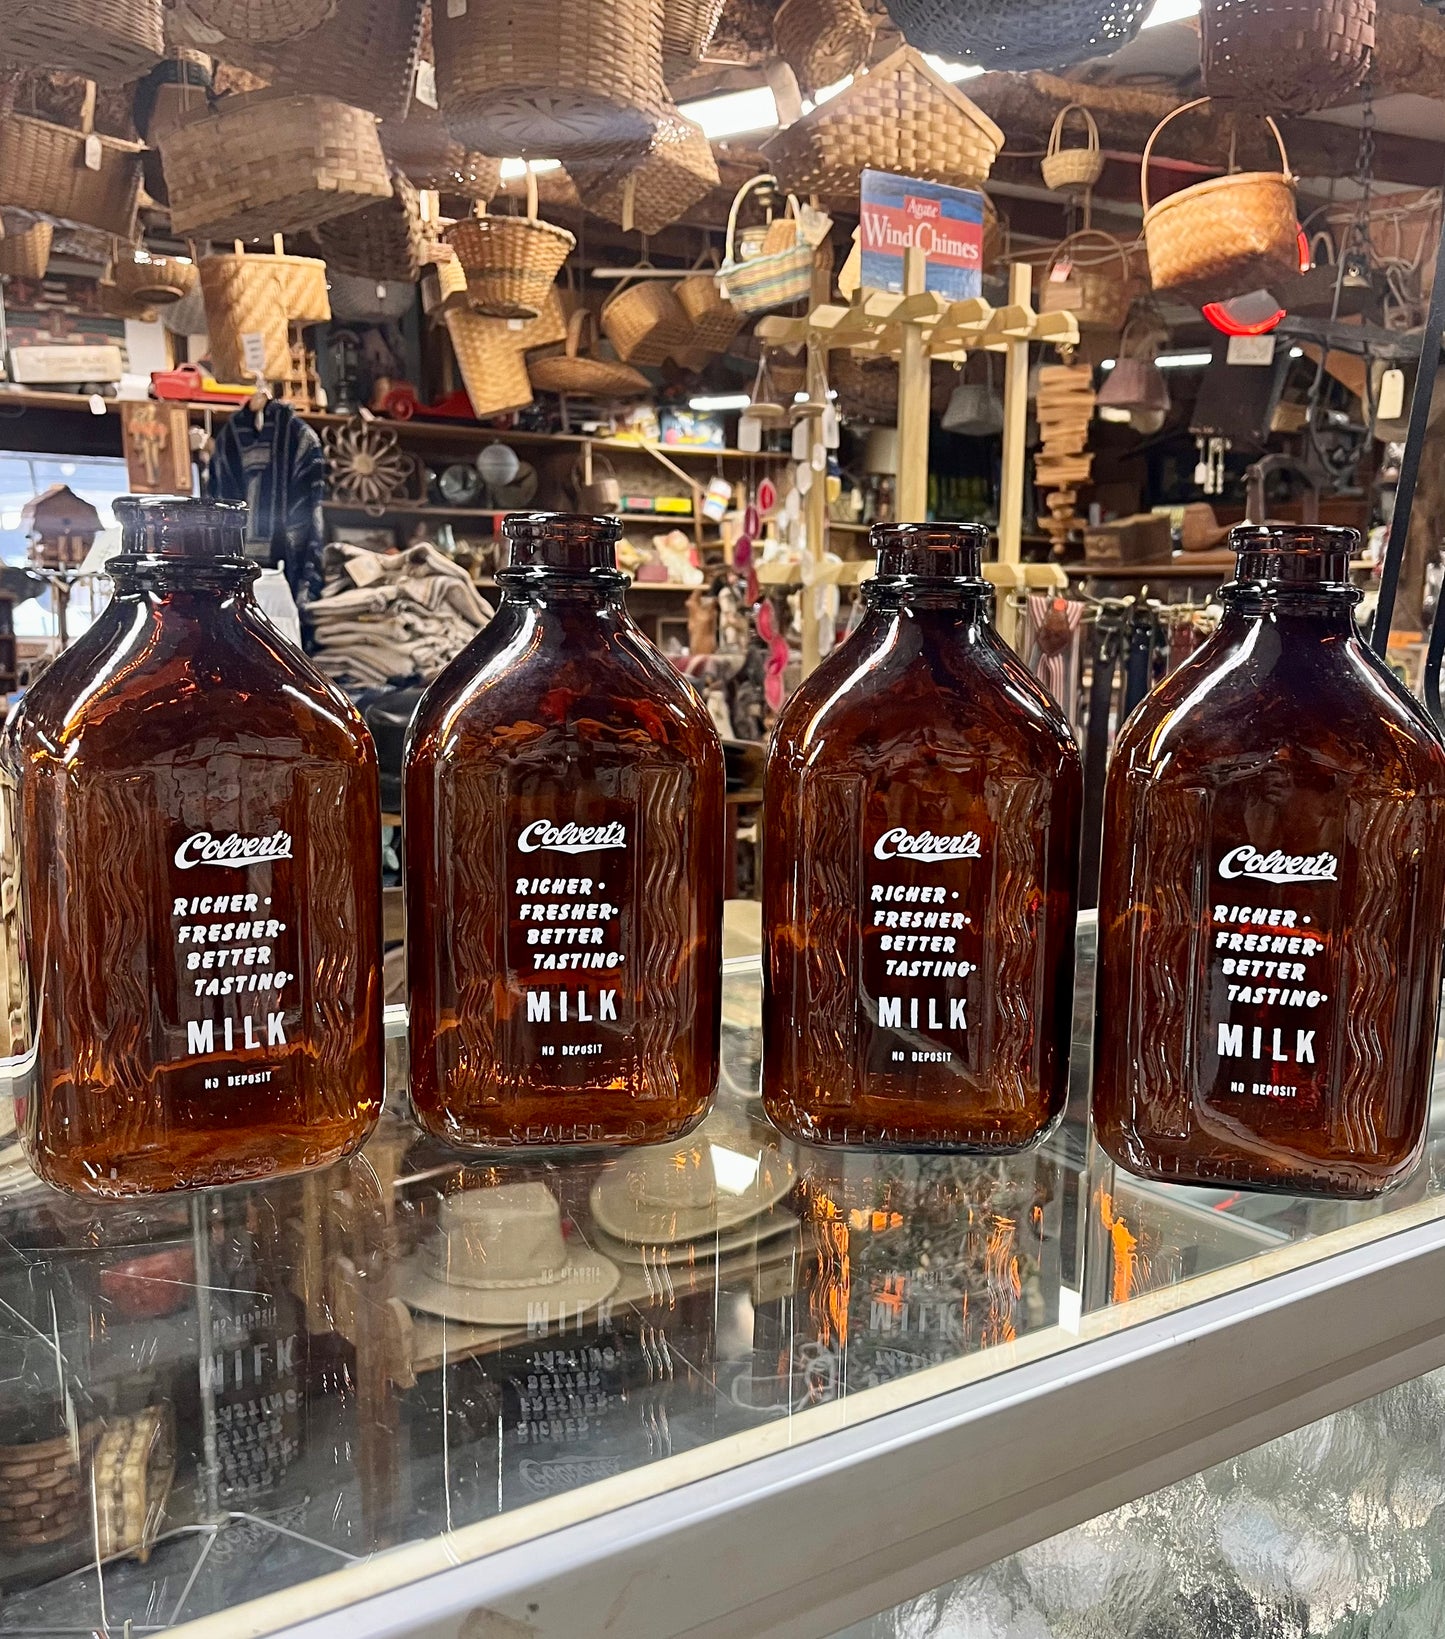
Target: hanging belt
[1105,644]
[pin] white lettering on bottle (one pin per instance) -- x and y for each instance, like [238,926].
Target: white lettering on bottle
[202,848]
[570,838]
[890,1012]
[925,848]
[1278,867]
[1271,1049]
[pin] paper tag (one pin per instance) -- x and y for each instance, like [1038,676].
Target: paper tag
[1060,271]
[456,8]
[1250,350]
[802,440]
[94,152]
[830,428]
[253,351]
[426,76]
[363,568]
[1392,396]
[750,434]
[97,404]
[516,324]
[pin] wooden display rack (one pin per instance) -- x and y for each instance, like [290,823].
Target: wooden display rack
[916,328]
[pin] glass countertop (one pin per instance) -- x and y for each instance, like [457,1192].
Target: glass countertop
[214,1398]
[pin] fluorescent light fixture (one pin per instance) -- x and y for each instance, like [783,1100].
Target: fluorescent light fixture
[735,112]
[1171,11]
[1184,361]
[513,168]
[953,71]
[719,401]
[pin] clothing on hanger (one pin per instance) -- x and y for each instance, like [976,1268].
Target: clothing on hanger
[273,462]
[1055,652]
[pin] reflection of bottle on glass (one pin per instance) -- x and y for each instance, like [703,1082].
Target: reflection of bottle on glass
[564,805]
[1272,898]
[920,873]
[200,848]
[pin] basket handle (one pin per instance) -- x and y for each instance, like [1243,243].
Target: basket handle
[1056,136]
[576,329]
[765,179]
[1184,108]
[1116,247]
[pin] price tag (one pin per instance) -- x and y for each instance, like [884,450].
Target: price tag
[1392,396]
[456,8]
[96,404]
[94,152]
[253,351]
[1250,350]
[802,440]
[426,79]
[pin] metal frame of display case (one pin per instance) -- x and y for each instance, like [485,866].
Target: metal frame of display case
[900,1488]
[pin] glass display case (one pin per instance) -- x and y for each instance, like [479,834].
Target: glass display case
[765,1388]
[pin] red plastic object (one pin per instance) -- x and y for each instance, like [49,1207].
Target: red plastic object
[402,404]
[189,384]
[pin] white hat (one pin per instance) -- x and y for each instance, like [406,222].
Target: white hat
[700,1189]
[685,1254]
[499,1258]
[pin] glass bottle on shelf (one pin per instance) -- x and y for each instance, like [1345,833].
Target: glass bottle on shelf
[200,851]
[564,859]
[920,869]
[1272,897]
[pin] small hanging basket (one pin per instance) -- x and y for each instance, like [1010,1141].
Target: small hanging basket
[265,21]
[1136,385]
[579,371]
[1073,170]
[901,116]
[781,272]
[688,26]
[64,175]
[677,170]
[25,251]
[151,281]
[511,262]
[307,159]
[645,322]
[556,79]
[108,41]
[1090,276]
[1222,237]
[823,41]
[1287,56]
[714,320]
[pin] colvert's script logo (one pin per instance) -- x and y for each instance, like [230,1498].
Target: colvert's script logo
[202,848]
[570,838]
[1278,867]
[925,848]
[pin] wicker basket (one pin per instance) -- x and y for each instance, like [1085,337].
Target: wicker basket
[368,301]
[677,170]
[25,251]
[714,320]
[689,25]
[146,281]
[307,159]
[381,242]
[511,262]
[1289,56]
[645,322]
[900,116]
[303,288]
[578,370]
[1018,34]
[43,172]
[109,41]
[1090,276]
[43,1484]
[365,54]
[867,388]
[1222,237]
[259,296]
[1073,169]
[780,274]
[423,146]
[823,41]
[264,21]
[494,368]
[551,78]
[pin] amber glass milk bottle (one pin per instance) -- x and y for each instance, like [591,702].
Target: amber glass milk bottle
[200,861]
[564,806]
[1273,897]
[922,802]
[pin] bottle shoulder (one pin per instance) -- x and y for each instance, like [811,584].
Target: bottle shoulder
[1329,708]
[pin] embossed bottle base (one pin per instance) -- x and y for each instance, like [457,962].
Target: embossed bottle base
[914,1126]
[553,1123]
[198,1160]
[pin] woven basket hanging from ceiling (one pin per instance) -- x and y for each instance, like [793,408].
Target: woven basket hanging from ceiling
[714,320]
[385,241]
[823,41]
[1286,56]
[264,21]
[900,116]
[677,170]
[1018,34]
[1223,237]
[493,367]
[259,297]
[1090,276]
[66,175]
[307,159]
[109,41]
[25,250]
[578,369]
[555,79]
[1069,170]
[423,146]
[511,262]
[365,53]
[645,322]
[689,25]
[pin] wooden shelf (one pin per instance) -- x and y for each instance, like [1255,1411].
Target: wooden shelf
[421,431]
[1175,569]
[418,509]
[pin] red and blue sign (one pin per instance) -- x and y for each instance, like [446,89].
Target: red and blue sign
[901,213]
